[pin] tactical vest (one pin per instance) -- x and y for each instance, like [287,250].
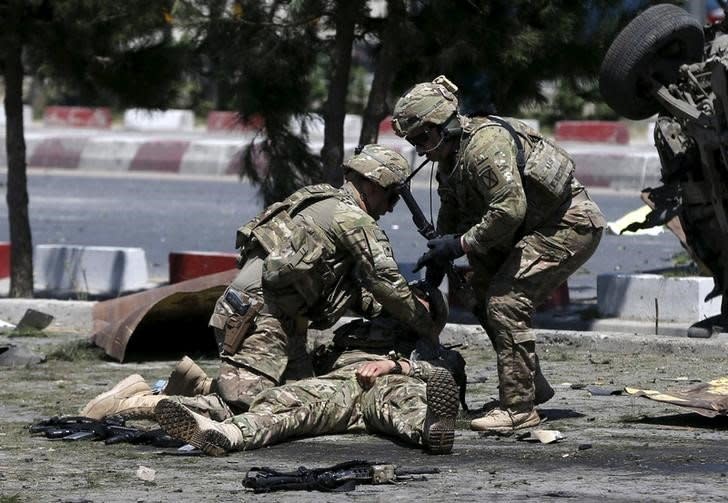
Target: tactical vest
[298,252]
[546,169]
[274,227]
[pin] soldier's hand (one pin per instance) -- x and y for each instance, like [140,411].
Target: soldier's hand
[368,373]
[442,250]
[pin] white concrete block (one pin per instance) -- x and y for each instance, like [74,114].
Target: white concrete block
[632,296]
[27,115]
[109,153]
[211,157]
[315,124]
[96,270]
[650,134]
[159,120]
[352,125]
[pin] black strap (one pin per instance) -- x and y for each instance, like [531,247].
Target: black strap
[520,153]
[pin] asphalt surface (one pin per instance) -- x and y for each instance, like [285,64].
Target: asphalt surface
[173,213]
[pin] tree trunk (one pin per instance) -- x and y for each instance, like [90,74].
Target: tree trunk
[21,246]
[332,153]
[377,107]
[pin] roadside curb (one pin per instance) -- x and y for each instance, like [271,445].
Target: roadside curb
[69,315]
[76,316]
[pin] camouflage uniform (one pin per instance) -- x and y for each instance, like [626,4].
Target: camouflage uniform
[304,263]
[526,232]
[335,403]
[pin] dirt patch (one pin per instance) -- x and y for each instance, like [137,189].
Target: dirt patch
[616,448]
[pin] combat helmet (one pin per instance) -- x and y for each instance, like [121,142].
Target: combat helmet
[380,164]
[426,103]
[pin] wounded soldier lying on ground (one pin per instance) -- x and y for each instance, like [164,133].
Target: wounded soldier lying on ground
[348,391]
[416,401]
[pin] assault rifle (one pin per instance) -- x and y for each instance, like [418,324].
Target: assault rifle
[111,430]
[342,477]
[424,227]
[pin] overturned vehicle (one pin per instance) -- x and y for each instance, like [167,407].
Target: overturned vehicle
[664,62]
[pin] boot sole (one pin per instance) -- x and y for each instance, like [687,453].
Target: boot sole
[115,393]
[178,422]
[442,410]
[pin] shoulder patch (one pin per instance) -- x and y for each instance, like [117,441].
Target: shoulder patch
[490,177]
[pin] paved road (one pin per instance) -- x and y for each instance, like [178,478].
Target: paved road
[162,214]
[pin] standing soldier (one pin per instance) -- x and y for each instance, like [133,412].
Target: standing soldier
[304,262]
[510,202]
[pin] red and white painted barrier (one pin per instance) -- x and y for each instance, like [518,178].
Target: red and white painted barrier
[162,155]
[77,117]
[232,122]
[193,264]
[4,260]
[592,131]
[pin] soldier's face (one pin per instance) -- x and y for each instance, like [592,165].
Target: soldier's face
[379,201]
[429,142]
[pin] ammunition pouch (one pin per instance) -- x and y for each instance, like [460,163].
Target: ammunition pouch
[301,265]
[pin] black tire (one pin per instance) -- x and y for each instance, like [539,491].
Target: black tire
[653,45]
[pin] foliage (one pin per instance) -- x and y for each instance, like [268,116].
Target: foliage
[499,51]
[102,52]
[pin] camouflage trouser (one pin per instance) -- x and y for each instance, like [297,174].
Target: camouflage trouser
[273,351]
[336,403]
[211,405]
[510,287]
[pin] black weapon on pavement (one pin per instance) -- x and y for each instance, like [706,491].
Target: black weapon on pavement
[341,477]
[112,430]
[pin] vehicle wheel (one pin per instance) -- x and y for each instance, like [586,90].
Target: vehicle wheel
[653,45]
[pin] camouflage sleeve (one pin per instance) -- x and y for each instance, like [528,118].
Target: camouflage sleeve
[377,271]
[489,161]
[366,305]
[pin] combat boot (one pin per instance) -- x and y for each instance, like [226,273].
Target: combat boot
[505,420]
[130,398]
[188,379]
[543,390]
[438,431]
[211,437]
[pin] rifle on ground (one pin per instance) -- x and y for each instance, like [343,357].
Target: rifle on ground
[341,477]
[112,430]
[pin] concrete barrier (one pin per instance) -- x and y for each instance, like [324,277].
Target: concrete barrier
[77,117]
[212,157]
[592,131]
[27,115]
[95,270]
[193,264]
[616,168]
[140,119]
[232,122]
[113,154]
[159,155]
[57,152]
[4,260]
[646,297]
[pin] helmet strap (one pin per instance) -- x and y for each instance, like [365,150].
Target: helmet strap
[451,127]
